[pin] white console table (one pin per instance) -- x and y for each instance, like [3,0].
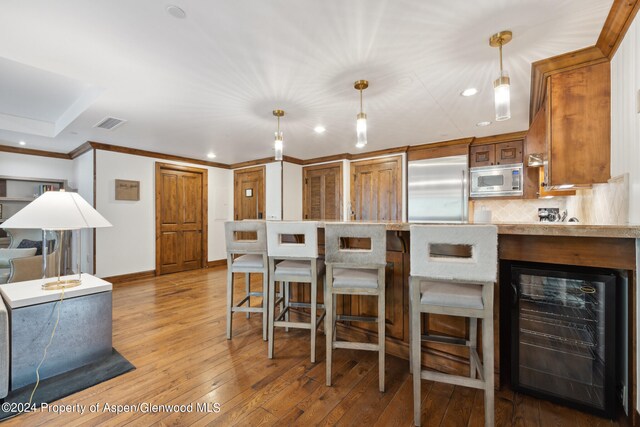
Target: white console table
[84,332]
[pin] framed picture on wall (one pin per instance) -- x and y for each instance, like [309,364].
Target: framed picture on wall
[127,190]
[248,192]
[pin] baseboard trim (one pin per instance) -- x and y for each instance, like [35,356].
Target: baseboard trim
[217,263]
[130,276]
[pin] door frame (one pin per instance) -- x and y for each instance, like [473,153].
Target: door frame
[321,166]
[236,194]
[205,209]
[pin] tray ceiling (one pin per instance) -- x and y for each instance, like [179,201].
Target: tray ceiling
[209,82]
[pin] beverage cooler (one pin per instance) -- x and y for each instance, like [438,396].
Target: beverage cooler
[563,335]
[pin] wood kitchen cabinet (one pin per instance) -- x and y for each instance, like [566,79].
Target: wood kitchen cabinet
[572,129]
[376,189]
[503,153]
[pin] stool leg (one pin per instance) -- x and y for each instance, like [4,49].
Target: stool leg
[247,284]
[473,345]
[415,347]
[272,309]
[229,301]
[265,305]
[329,324]
[287,295]
[314,304]
[381,328]
[487,354]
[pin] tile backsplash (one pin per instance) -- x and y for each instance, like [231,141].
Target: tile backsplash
[518,210]
[602,204]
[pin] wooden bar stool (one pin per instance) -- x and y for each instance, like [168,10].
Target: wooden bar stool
[453,271]
[297,261]
[355,272]
[252,259]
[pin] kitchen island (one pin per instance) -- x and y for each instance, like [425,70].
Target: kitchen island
[606,246]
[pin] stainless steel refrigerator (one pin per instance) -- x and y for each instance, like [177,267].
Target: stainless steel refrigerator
[438,190]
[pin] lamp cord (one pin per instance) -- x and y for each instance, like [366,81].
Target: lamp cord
[44,356]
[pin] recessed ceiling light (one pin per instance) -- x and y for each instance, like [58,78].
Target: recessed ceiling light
[22,143]
[211,156]
[469,92]
[176,12]
[483,124]
[319,129]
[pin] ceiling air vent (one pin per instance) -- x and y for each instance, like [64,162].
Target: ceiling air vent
[109,123]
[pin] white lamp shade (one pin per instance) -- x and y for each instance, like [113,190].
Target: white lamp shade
[57,210]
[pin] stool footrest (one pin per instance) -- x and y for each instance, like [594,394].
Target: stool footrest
[474,356]
[247,309]
[255,294]
[452,379]
[347,318]
[299,325]
[356,345]
[444,339]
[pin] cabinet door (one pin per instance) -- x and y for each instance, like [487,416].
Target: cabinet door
[509,152]
[322,192]
[482,155]
[580,126]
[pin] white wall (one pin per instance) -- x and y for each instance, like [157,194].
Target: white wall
[292,191]
[12,164]
[625,132]
[83,182]
[129,246]
[273,196]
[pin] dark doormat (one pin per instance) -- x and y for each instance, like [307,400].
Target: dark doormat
[65,384]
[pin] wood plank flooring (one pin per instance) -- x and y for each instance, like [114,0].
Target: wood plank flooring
[172,328]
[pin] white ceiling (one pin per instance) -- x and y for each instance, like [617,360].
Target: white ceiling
[209,82]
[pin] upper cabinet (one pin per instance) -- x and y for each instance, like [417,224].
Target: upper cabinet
[503,153]
[572,129]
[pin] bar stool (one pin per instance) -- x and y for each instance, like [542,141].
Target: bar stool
[455,285]
[298,263]
[252,259]
[355,272]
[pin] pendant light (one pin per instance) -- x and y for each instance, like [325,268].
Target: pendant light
[501,86]
[278,145]
[361,122]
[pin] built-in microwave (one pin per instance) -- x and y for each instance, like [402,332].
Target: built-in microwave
[499,180]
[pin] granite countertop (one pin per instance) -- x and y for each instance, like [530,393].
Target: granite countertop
[543,229]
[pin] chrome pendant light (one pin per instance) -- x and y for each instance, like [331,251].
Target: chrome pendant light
[278,144]
[501,86]
[361,122]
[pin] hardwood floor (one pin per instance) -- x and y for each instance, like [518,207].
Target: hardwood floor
[172,328]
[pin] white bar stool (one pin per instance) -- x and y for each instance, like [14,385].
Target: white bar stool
[455,286]
[298,263]
[355,272]
[252,259]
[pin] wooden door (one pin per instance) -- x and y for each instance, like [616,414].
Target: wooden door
[376,189]
[181,218]
[322,192]
[508,152]
[249,193]
[482,155]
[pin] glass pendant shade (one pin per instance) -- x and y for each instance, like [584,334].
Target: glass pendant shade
[361,130]
[278,145]
[501,88]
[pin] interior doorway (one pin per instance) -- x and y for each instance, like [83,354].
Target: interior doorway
[249,193]
[181,218]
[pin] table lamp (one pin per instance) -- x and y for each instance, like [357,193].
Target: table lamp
[57,211]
